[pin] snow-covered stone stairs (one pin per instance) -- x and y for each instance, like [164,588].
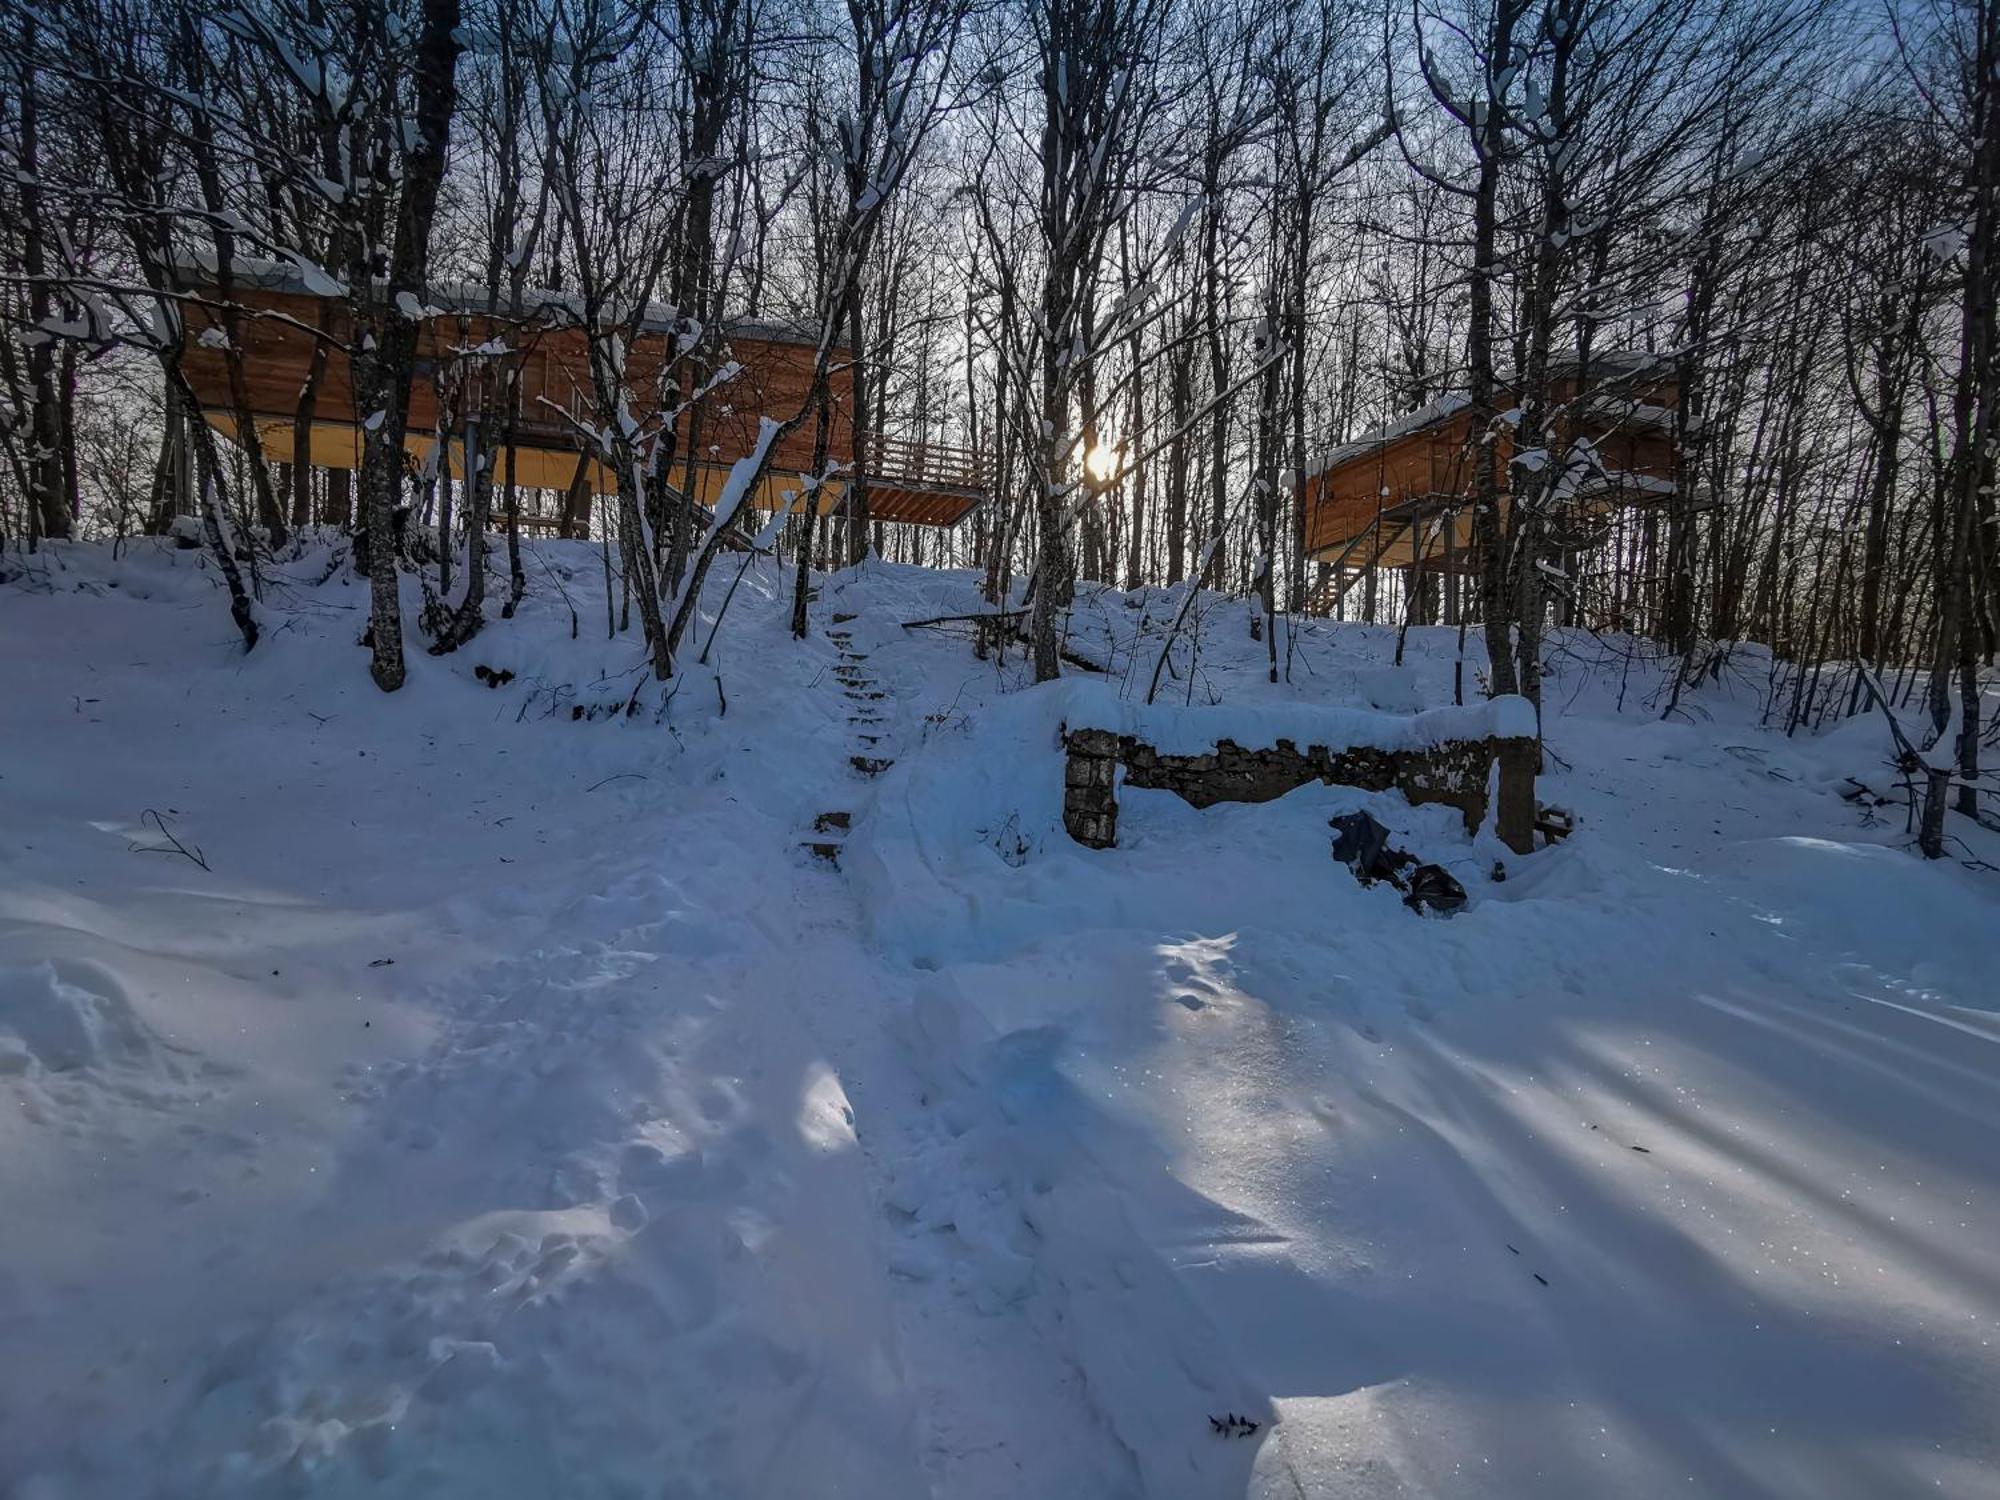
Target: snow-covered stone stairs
[829,833]
[867,737]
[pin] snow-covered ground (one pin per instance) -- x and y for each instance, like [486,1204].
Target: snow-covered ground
[514,1107]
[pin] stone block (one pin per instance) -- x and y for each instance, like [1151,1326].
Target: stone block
[1456,775]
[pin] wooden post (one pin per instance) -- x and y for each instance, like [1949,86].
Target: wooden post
[1451,567]
[576,501]
[1514,806]
[1374,556]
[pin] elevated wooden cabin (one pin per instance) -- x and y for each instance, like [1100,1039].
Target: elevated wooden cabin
[1401,496]
[460,346]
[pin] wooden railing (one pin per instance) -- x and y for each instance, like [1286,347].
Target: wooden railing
[900,462]
[924,466]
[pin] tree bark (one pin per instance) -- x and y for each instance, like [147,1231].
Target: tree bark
[382,375]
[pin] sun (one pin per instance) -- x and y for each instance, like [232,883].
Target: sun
[1102,461]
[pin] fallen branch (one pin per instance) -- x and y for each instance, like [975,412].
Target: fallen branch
[1081,662]
[993,614]
[172,845]
[621,776]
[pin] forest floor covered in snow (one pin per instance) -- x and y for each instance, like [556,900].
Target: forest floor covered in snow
[507,1102]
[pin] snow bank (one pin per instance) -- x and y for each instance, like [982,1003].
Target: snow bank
[1174,729]
[1031,1179]
[48,1024]
[987,791]
[511,1108]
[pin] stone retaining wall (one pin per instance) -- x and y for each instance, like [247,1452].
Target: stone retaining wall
[1456,773]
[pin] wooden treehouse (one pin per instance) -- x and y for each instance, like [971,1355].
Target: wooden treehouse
[459,351]
[1401,496]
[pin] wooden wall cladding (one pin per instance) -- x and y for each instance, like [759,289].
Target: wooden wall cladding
[1431,467]
[279,328]
[277,336]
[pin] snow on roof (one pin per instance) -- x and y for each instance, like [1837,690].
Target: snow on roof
[1633,482]
[1632,416]
[308,280]
[1424,416]
[1619,367]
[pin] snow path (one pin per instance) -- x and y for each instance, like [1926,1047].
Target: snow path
[1002,1409]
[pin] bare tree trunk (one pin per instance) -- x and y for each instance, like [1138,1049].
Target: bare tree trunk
[855,502]
[302,419]
[382,375]
[47,515]
[1180,406]
[1218,375]
[1265,480]
[801,582]
[220,546]
[1490,537]
[1975,417]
